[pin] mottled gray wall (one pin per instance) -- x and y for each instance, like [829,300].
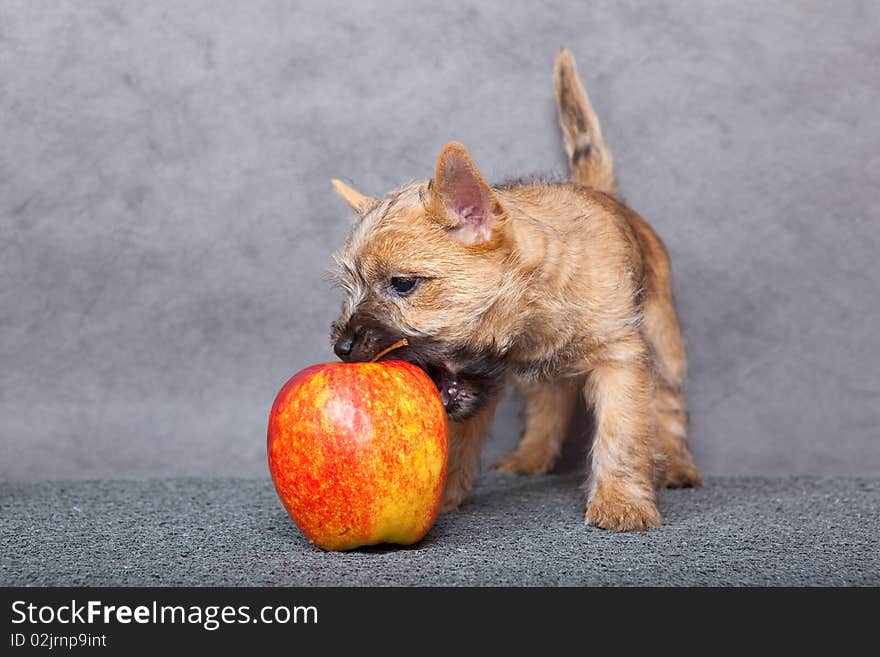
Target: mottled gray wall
[166,213]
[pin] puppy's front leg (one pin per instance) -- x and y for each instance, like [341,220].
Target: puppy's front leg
[465,442]
[621,492]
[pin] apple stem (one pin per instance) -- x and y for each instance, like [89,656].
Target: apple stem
[397,345]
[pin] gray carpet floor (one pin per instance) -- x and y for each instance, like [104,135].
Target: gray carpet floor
[513,531]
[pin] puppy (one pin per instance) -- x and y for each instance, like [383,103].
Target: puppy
[555,287]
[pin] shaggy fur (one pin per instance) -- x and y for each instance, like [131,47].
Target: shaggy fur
[558,288]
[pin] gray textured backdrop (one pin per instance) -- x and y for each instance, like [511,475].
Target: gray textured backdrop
[167,214]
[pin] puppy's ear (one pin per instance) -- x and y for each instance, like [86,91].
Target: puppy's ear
[463,199]
[358,202]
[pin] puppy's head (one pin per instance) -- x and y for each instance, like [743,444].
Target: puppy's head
[427,263]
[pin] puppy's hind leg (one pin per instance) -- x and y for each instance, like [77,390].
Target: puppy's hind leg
[549,407]
[677,467]
[660,327]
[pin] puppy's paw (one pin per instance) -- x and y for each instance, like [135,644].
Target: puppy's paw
[453,496]
[610,510]
[681,474]
[525,462]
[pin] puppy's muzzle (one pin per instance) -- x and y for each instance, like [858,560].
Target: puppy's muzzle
[358,343]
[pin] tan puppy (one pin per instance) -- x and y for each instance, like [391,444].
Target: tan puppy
[556,287]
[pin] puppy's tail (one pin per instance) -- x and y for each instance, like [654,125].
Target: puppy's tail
[589,158]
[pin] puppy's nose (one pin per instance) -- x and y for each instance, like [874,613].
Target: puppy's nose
[343,346]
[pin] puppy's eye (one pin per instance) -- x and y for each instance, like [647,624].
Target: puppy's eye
[404,285]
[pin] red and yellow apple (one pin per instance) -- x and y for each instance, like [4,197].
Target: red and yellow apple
[357,452]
